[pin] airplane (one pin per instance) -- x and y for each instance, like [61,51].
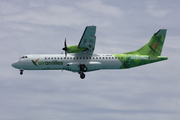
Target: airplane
[81,58]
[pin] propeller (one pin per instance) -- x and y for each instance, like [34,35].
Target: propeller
[65,47]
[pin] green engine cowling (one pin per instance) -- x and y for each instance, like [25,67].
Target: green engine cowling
[75,49]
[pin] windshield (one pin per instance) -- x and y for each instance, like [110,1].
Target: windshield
[23,57]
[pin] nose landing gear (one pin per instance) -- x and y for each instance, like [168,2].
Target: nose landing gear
[21,72]
[82,75]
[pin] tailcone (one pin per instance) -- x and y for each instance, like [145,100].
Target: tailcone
[162,58]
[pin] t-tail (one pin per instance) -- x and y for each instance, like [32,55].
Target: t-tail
[154,46]
[149,53]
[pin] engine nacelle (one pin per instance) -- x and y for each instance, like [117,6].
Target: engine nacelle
[75,49]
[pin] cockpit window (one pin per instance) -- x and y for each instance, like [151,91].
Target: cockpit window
[23,57]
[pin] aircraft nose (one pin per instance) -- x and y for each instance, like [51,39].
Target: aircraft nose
[14,64]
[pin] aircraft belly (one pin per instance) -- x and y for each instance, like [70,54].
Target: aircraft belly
[111,64]
[44,67]
[94,65]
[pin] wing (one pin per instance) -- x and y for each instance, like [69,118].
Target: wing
[88,39]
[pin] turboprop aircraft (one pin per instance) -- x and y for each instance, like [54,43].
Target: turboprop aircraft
[81,58]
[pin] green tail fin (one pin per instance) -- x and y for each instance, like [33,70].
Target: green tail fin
[154,46]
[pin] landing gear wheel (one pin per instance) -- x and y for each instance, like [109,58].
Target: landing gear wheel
[82,75]
[21,72]
[83,68]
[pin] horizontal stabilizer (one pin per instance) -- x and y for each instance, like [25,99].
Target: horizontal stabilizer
[161,32]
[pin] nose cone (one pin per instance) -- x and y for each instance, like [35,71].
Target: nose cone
[15,64]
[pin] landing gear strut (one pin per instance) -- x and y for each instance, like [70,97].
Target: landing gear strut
[21,72]
[82,75]
[83,68]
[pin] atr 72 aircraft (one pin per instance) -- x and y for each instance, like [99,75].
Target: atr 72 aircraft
[80,58]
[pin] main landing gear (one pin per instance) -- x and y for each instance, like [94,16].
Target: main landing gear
[83,68]
[21,72]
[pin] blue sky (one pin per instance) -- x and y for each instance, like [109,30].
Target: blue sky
[147,92]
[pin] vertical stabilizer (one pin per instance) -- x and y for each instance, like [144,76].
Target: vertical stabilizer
[154,46]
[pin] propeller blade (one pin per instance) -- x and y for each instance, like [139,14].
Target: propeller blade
[65,45]
[65,53]
[65,48]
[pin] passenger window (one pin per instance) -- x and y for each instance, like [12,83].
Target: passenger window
[58,58]
[89,57]
[112,57]
[121,57]
[83,57]
[76,57]
[61,57]
[64,57]
[48,57]
[79,57]
[118,57]
[109,57]
[96,57]
[86,57]
[106,57]
[52,58]
[67,57]
[99,57]
[45,57]
[70,57]
[73,57]
[93,57]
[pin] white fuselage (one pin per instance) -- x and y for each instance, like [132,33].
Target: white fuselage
[71,62]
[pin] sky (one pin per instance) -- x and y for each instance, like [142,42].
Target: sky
[142,93]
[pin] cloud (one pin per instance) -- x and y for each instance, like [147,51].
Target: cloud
[35,3]
[173,42]
[54,15]
[7,8]
[155,9]
[146,92]
[39,13]
[100,8]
